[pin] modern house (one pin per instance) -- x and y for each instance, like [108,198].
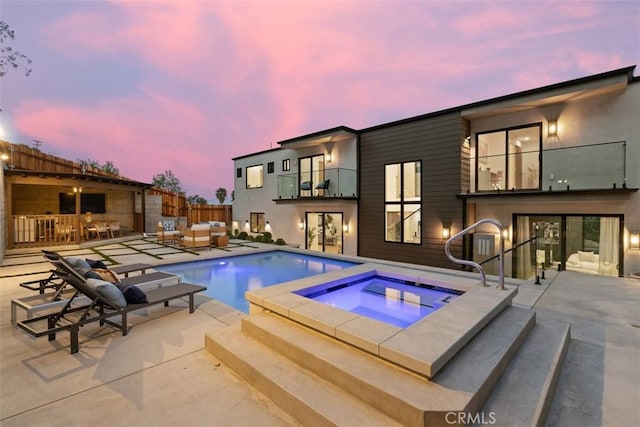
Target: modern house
[557,166]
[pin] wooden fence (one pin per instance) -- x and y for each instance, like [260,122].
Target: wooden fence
[176,205]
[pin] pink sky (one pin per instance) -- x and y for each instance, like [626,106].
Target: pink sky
[187,85]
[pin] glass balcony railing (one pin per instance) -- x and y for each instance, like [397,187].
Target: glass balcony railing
[585,167]
[326,183]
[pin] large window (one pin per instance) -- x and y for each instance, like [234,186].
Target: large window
[509,159]
[403,202]
[257,222]
[254,176]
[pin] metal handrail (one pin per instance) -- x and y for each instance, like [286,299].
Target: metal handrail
[475,264]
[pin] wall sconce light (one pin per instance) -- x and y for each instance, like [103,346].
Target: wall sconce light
[446,231]
[4,157]
[77,189]
[267,227]
[301,225]
[467,141]
[505,234]
[345,228]
[328,157]
[552,129]
[634,239]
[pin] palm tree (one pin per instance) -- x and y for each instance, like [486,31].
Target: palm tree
[221,194]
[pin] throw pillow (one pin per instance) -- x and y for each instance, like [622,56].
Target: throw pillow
[134,295]
[90,274]
[96,264]
[78,264]
[168,225]
[109,293]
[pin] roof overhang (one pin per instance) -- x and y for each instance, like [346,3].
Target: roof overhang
[29,177]
[578,90]
[334,135]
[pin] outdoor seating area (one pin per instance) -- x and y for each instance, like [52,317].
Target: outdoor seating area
[83,297]
[200,235]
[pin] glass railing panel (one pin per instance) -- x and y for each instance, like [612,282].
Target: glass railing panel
[586,167]
[336,182]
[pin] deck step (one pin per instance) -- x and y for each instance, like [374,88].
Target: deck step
[307,397]
[408,398]
[524,394]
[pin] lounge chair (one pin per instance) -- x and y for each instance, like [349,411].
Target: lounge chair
[58,298]
[105,301]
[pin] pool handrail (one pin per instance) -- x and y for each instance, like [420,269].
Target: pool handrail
[475,264]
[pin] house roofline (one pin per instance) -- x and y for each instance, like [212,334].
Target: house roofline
[581,80]
[319,133]
[256,153]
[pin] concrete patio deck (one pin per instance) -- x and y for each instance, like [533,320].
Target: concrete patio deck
[160,375]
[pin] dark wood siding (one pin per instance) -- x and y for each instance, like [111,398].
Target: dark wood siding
[437,142]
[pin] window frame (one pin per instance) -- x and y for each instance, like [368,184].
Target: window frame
[254,218]
[507,173]
[261,166]
[402,200]
[286,165]
[270,167]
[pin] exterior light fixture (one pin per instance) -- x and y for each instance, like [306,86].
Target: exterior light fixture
[552,129]
[345,228]
[77,189]
[446,231]
[505,234]
[4,157]
[328,157]
[301,225]
[634,239]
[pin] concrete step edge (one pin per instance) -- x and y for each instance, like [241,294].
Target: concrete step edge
[528,385]
[305,396]
[551,382]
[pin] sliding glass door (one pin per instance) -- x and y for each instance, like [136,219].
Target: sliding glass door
[324,231]
[582,243]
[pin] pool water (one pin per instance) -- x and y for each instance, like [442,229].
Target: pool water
[392,301]
[227,279]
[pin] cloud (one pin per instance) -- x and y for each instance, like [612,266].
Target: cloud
[192,84]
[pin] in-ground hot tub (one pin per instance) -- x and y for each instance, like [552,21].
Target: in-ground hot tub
[423,346]
[394,301]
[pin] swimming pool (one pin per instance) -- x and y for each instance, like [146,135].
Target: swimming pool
[393,301]
[227,279]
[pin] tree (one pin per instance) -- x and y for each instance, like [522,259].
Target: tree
[108,167]
[9,57]
[221,194]
[167,181]
[197,200]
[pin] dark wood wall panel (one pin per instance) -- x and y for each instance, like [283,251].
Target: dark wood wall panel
[437,142]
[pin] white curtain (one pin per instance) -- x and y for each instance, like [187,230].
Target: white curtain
[608,248]
[524,267]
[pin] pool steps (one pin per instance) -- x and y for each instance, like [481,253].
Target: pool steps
[321,381]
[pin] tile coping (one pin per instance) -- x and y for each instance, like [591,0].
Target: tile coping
[444,332]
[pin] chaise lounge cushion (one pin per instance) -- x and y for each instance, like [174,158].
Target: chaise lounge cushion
[109,292]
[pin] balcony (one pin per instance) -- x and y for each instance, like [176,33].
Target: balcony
[327,183]
[587,167]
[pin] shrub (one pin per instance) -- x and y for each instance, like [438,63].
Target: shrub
[257,238]
[250,238]
[235,232]
[243,235]
[266,237]
[280,242]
